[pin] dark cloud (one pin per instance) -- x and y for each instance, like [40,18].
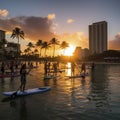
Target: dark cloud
[34,27]
[115,43]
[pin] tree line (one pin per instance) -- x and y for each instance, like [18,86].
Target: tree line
[35,48]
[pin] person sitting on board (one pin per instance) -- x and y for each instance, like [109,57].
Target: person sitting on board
[23,74]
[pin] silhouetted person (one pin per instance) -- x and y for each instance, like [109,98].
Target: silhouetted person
[83,68]
[92,66]
[72,68]
[3,68]
[23,74]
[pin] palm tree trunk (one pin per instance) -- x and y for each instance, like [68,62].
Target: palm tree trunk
[54,51]
[45,53]
[40,52]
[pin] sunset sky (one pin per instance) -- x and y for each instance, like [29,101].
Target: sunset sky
[67,20]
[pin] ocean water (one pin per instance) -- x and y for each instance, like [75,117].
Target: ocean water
[97,96]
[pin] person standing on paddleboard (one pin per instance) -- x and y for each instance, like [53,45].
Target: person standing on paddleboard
[23,74]
[12,67]
[3,68]
[83,68]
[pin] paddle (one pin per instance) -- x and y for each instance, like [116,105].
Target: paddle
[15,93]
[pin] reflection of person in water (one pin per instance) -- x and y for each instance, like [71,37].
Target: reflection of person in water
[23,109]
[83,82]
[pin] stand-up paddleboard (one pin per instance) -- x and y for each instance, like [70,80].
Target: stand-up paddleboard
[78,76]
[9,75]
[28,91]
[50,76]
[59,70]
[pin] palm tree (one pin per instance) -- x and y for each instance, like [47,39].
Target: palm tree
[45,45]
[36,51]
[54,41]
[26,51]
[39,44]
[30,45]
[64,45]
[17,33]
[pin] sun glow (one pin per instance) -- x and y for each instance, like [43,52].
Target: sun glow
[69,51]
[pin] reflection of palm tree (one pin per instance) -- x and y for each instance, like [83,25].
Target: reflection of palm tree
[64,45]
[39,44]
[54,41]
[45,45]
[17,33]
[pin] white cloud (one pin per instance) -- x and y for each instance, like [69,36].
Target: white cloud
[3,13]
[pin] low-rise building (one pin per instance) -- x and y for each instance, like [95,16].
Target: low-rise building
[80,53]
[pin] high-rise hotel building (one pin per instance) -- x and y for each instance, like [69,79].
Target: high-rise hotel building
[98,37]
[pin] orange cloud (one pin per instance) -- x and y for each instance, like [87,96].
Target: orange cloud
[3,13]
[51,16]
[76,39]
[115,43]
[42,28]
[70,21]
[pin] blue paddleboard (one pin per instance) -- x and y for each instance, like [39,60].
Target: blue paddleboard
[28,91]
